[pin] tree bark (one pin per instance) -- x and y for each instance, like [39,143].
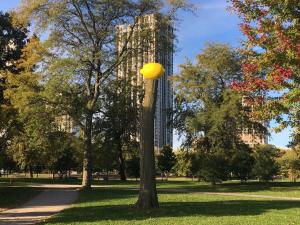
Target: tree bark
[87,153]
[31,171]
[148,194]
[121,163]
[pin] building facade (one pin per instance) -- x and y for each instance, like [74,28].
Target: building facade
[66,124]
[151,41]
[252,137]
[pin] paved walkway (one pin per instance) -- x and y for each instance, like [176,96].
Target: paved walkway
[40,208]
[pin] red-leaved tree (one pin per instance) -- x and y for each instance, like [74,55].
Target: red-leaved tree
[272,65]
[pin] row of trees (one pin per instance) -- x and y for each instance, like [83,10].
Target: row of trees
[208,112]
[264,162]
[73,72]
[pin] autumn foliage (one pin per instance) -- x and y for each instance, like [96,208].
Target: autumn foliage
[272,47]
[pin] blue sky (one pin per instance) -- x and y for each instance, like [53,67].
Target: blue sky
[213,23]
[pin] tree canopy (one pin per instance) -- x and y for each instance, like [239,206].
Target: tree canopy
[209,113]
[271,69]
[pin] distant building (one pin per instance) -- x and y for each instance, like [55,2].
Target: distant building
[159,48]
[66,124]
[252,139]
[251,136]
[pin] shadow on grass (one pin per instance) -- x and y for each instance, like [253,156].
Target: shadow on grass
[240,187]
[103,205]
[13,196]
[172,209]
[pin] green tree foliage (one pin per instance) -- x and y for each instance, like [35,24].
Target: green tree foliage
[29,147]
[7,163]
[35,144]
[119,121]
[241,162]
[290,163]
[265,165]
[12,40]
[133,167]
[63,154]
[105,154]
[166,159]
[82,38]
[209,113]
[23,93]
[195,165]
[183,163]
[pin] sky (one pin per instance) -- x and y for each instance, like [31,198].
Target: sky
[212,23]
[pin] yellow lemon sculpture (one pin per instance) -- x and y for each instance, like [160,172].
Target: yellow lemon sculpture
[152,71]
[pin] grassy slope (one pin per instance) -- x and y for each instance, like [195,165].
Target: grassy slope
[112,206]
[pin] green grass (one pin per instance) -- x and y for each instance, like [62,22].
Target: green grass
[14,196]
[113,203]
[282,189]
[112,206]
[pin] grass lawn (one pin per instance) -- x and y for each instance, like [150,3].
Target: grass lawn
[14,196]
[113,203]
[114,206]
[279,188]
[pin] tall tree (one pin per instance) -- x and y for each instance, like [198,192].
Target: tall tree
[119,120]
[82,37]
[290,163]
[166,160]
[23,91]
[272,29]
[183,163]
[265,165]
[64,153]
[12,40]
[211,115]
[241,162]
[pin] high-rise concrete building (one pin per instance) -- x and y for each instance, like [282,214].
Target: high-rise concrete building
[151,41]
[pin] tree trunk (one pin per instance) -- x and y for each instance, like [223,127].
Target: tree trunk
[121,162]
[148,194]
[31,171]
[87,154]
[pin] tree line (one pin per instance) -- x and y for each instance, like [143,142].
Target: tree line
[73,72]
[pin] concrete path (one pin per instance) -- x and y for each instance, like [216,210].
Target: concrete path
[40,208]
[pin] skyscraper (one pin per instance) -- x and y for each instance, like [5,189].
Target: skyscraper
[152,41]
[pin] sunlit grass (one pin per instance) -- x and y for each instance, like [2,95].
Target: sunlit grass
[106,206]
